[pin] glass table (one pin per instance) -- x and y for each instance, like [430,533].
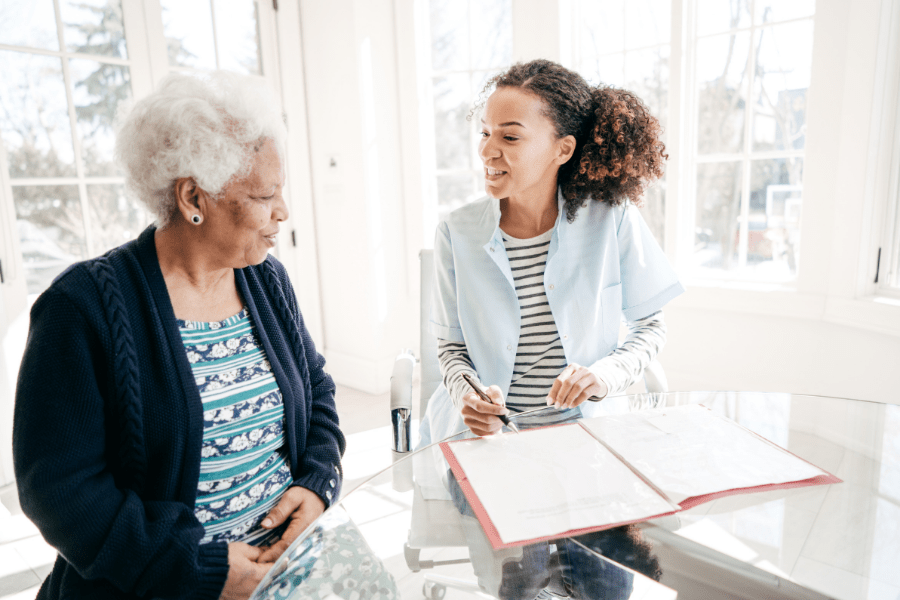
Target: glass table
[384,539]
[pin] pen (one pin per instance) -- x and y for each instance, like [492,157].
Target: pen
[486,398]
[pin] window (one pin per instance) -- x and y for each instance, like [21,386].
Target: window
[743,78]
[626,44]
[68,67]
[212,34]
[470,42]
[752,63]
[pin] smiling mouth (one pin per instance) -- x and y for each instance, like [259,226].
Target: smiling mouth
[491,173]
[271,238]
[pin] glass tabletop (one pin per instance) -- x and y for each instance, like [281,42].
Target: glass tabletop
[387,538]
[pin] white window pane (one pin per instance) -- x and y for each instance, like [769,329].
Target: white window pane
[491,36]
[34,119]
[717,230]
[722,92]
[94,27]
[453,100]
[602,27]
[28,23]
[51,231]
[647,23]
[647,75]
[449,34]
[115,218]
[608,69]
[237,33]
[455,190]
[719,16]
[773,240]
[769,11]
[99,90]
[187,25]
[783,69]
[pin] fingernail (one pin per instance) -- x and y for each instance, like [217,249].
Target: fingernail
[549,400]
[267,523]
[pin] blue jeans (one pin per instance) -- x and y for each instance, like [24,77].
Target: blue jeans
[563,566]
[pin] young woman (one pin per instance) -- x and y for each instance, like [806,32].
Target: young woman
[533,281]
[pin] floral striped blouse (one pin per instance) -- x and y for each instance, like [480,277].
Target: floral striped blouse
[244,469]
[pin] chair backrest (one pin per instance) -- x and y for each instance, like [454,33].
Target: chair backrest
[430,370]
[654,376]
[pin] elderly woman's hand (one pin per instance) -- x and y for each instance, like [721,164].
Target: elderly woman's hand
[302,507]
[480,416]
[245,571]
[575,385]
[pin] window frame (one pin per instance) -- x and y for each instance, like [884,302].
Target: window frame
[883,254]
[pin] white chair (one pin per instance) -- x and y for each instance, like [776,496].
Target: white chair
[436,523]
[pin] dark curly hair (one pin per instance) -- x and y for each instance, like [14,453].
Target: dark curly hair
[618,151]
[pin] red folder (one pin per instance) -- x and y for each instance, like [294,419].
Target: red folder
[497,542]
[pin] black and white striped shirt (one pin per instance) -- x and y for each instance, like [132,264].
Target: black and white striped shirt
[540,357]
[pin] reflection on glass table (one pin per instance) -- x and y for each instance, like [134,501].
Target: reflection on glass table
[389,539]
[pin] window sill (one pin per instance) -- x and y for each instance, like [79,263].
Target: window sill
[872,313]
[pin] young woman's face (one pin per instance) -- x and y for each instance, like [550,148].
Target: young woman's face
[245,220]
[519,147]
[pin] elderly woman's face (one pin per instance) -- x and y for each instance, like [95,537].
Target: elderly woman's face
[246,218]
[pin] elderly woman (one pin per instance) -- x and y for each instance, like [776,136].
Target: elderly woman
[174,427]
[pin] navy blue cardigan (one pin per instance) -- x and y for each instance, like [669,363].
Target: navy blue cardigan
[108,425]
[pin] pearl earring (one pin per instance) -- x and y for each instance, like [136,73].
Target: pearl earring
[196,219]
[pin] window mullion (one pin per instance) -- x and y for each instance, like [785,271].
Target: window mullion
[212,18]
[746,172]
[688,123]
[76,138]
[675,175]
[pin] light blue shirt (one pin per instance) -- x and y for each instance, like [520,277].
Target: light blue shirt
[602,267]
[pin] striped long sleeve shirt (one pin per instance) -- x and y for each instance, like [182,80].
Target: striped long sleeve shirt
[540,357]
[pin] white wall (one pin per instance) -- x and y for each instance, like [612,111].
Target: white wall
[724,350]
[369,304]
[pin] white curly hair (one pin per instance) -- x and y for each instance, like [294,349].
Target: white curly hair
[202,127]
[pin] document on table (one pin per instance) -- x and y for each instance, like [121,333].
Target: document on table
[689,451]
[550,481]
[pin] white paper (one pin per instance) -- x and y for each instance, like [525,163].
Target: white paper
[690,451]
[543,482]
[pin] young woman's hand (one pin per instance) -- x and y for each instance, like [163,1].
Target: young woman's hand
[244,571]
[575,385]
[480,416]
[302,507]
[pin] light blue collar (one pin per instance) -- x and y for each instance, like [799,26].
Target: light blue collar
[497,250]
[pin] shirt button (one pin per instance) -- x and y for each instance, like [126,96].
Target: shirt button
[551,286]
[565,337]
[509,347]
[492,249]
[332,483]
[328,494]
[336,470]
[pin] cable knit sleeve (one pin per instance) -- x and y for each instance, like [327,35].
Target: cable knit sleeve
[66,432]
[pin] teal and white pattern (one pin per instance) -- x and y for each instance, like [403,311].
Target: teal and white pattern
[244,469]
[331,561]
